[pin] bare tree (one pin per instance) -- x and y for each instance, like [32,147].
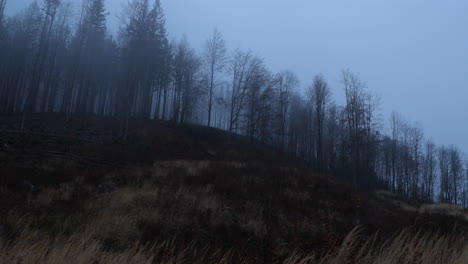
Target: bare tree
[242,66]
[354,111]
[319,94]
[395,124]
[260,93]
[186,84]
[416,138]
[464,195]
[287,83]
[165,79]
[214,62]
[331,138]
[362,127]
[456,174]
[429,171]
[444,167]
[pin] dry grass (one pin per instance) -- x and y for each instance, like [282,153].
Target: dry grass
[185,211]
[31,247]
[430,209]
[84,247]
[113,234]
[406,247]
[445,209]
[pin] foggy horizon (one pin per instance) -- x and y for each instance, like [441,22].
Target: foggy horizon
[411,54]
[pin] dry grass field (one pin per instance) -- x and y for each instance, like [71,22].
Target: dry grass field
[186,194]
[89,246]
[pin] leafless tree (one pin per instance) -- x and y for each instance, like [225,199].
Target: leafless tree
[319,94]
[242,67]
[429,171]
[187,89]
[464,195]
[214,62]
[396,127]
[355,111]
[259,96]
[416,138]
[456,174]
[287,82]
[444,167]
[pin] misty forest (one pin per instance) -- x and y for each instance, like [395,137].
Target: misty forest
[157,150]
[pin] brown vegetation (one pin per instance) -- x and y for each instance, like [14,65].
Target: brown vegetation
[88,246]
[213,199]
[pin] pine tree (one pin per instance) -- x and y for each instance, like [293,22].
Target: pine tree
[96,18]
[94,37]
[50,9]
[2,10]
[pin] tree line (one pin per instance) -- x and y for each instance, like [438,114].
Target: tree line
[52,63]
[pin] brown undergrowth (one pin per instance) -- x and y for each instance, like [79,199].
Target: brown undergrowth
[88,246]
[186,194]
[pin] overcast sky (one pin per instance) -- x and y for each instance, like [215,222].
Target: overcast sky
[413,53]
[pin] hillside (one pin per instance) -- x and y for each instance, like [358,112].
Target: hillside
[184,191]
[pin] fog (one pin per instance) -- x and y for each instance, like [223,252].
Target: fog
[413,54]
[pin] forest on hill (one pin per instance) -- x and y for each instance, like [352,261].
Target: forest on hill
[51,63]
[131,148]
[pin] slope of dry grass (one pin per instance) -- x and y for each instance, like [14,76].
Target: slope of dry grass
[187,194]
[208,212]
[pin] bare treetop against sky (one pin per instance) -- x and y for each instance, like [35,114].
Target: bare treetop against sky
[414,54]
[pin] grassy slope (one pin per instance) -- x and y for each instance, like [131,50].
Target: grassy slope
[192,187]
